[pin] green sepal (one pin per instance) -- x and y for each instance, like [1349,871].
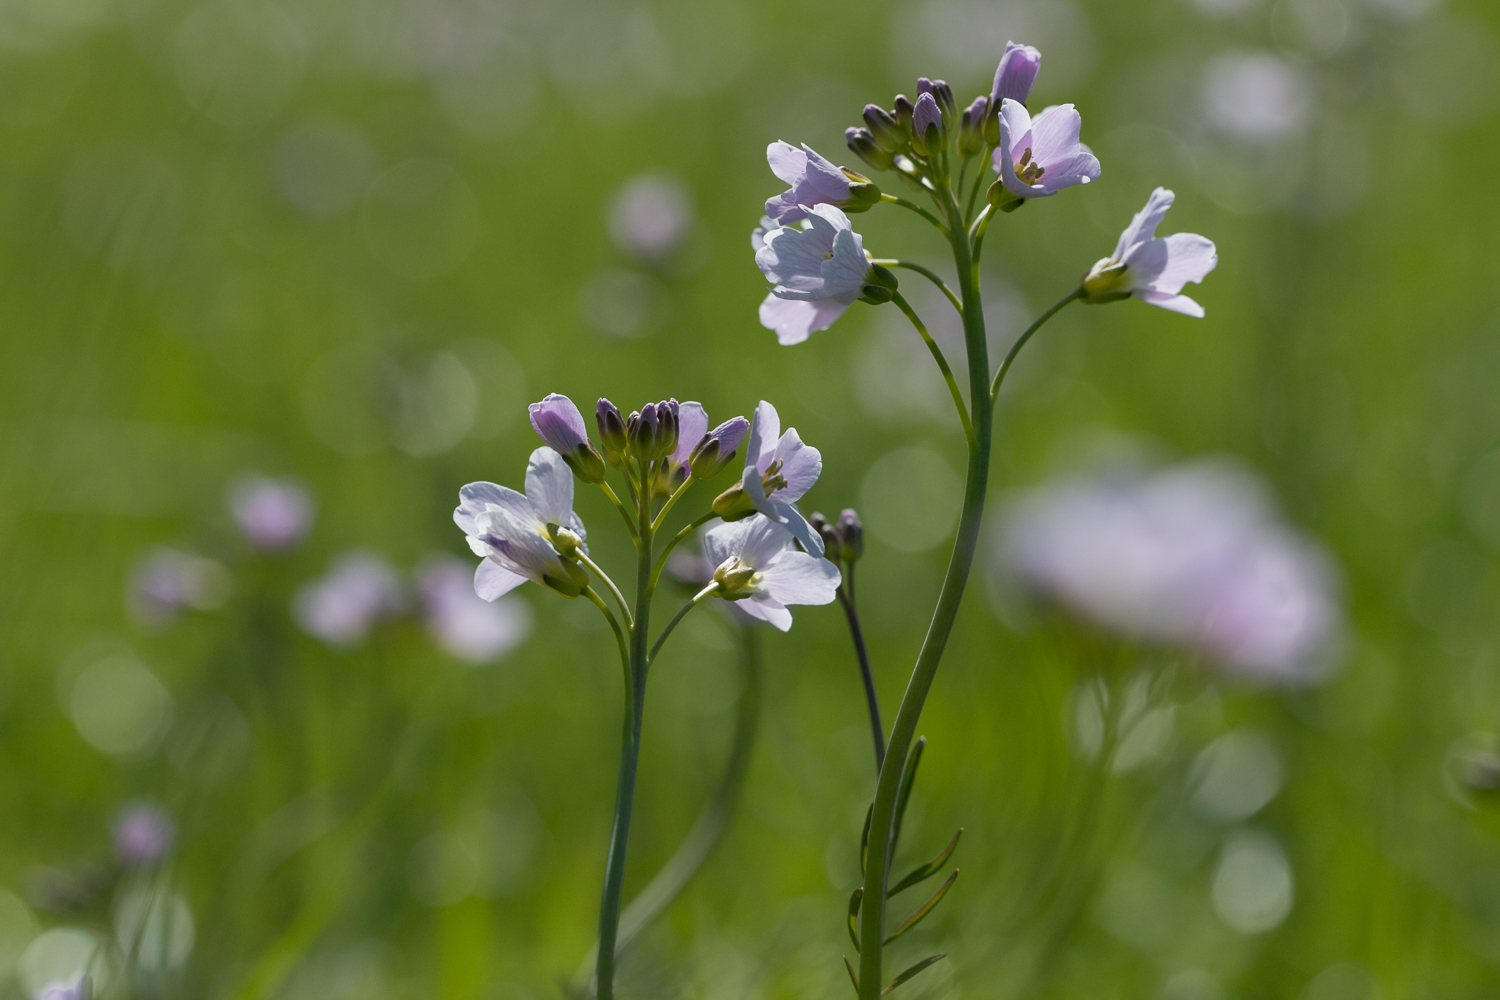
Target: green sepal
[911,973]
[908,779]
[924,909]
[928,870]
[854,901]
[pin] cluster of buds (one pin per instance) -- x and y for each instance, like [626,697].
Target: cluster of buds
[844,539]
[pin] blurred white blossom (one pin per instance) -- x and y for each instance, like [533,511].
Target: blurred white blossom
[463,623]
[1256,96]
[143,833]
[651,216]
[340,608]
[272,514]
[169,581]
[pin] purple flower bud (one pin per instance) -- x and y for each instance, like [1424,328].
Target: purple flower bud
[971,127]
[272,514]
[1015,75]
[887,132]
[611,430]
[557,421]
[143,834]
[904,109]
[851,536]
[716,450]
[643,429]
[862,144]
[927,126]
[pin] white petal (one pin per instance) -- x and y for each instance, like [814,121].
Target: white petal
[761,541]
[845,272]
[787,161]
[798,578]
[1143,226]
[491,580]
[798,526]
[794,321]
[475,498]
[767,610]
[549,486]
[1176,303]
[801,465]
[692,425]
[724,542]
[765,429]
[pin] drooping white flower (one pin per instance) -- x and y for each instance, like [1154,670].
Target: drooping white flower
[756,565]
[463,624]
[1153,268]
[779,469]
[520,536]
[817,272]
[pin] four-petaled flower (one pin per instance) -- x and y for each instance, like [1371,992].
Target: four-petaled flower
[818,272]
[1150,267]
[779,469]
[1039,157]
[523,537]
[814,180]
[755,564]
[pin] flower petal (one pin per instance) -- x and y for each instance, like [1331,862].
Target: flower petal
[803,532]
[549,486]
[476,498]
[821,181]
[491,580]
[787,161]
[765,430]
[799,578]
[793,258]
[557,422]
[794,320]
[1167,263]
[1143,226]
[761,542]
[723,542]
[1054,134]
[1082,168]
[692,426]
[801,464]
[767,610]
[845,272]
[1176,303]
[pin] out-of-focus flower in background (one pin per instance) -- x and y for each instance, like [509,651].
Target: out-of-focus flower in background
[78,989]
[358,591]
[168,581]
[650,217]
[460,621]
[1256,97]
[1192,555]
[272,514]
[143,834]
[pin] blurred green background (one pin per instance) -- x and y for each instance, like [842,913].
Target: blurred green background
[349,240]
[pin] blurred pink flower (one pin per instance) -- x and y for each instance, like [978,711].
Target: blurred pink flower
[650,217]
[463,623]
[1189,556]
[81,988]
[359,590]
[272,514]
[169,581]
[143,834]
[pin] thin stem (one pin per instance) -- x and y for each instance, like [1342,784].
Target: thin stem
[583,557]
[593,595]
[687,529]
[929,275]
[706,832]
[846,598]
[979,179]
[698,598]
[912,206]
[963,173]
[620,506]
[1015,349]
[979,228]
[672,501]
[942,363]
[882,817]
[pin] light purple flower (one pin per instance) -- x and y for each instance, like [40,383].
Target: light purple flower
[1040,157]
[169,581]
[779,469]
[359,590]
[143,834]
[462,623]
[1190,556]
[692,428]
[1150,267]
[813,179]
[926,116]
[651,216]
[518,535]
[818,272]
[709,457]
[81,988]
[755,564]
[1016,74]
[272,514]
[558,422]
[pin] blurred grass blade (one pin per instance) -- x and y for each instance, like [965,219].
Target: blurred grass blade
[910,973]
[854,902]
[852,977]
[864,839]
[924,909]
[930,869]
[907,781]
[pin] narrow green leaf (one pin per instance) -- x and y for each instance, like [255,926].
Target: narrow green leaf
[924,909]
[854,901]
[864,839]
[852,977]
[928,870]
[908,780]
[910,973]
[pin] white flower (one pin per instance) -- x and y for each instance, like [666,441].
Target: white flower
[519,535]
[818,272]
[469,628]
[779,469]
[1150,267]
[755,564]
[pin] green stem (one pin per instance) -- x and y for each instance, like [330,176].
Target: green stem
[942,363]
[698,598]
[912,206]
[1015,349]
[881,847]
[630,752]
[619,597]
[615,499]
[687,529]
[845,595]
[929,275]
[672,502]
[979,228]
[984,161]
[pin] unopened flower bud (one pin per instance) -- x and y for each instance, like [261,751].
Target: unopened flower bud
[851,536]
[565,541]
[611,431]
[904,111]
[718,448]
[734,581]
[880,286]
[863,194]
[1016,74]
[927,126]
[642,429]
[733,504]
[971,127]
[1105,282]
[557,422]
[943,94]
[572,584]
[828,533]
[863,145]
[888,133]
[666,433]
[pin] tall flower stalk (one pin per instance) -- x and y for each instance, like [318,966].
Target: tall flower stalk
[818,267]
